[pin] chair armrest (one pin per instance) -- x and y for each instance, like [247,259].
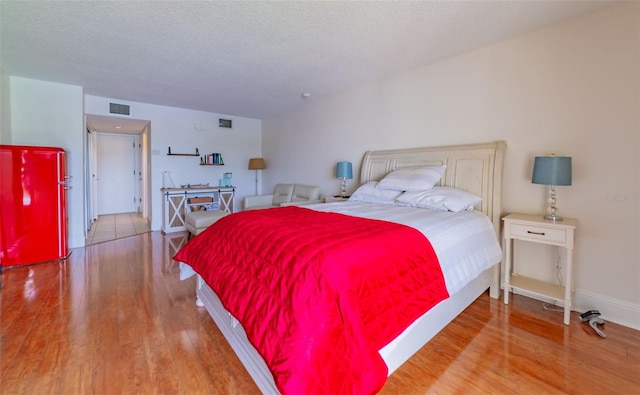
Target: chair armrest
[257,201]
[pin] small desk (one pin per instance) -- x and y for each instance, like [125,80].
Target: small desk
[176,200]
[535,229]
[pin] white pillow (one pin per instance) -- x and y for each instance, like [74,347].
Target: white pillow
[413,178]
[369,193]
[440,198]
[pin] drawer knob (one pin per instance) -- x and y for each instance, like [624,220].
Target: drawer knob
[536,233]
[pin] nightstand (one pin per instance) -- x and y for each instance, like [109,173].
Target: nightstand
[333,199]
[536,229]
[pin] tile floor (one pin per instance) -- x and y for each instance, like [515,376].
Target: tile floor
[115,226]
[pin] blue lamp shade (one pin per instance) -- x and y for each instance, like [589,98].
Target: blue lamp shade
[344,170]
[552,170]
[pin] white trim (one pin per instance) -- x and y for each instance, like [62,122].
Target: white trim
[614,310]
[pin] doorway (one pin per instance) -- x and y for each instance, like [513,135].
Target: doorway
[117,166]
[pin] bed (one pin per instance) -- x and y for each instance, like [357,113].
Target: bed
[476,168]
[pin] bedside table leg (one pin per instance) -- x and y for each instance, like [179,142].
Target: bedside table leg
[568,287]
[507,269]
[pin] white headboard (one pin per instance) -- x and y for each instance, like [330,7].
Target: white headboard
[476,168]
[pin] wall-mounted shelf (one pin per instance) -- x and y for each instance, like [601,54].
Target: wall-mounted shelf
[175,154]
[211,164]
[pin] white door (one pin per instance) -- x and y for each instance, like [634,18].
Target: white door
[116,176]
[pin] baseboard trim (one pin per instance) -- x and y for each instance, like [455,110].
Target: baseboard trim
[614,310]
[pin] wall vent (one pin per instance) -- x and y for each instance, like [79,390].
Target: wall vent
[115,108]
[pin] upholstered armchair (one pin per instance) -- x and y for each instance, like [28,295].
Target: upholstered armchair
[285,195]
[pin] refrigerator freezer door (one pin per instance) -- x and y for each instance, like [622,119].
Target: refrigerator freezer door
[63,185]
[33,216]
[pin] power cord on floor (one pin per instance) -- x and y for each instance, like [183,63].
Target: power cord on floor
[552,307]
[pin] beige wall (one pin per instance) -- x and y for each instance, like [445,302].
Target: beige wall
[571,89]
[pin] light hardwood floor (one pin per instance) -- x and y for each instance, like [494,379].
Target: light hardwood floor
[115,319]
[114,226]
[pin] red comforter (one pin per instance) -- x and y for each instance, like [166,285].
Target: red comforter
[318,293]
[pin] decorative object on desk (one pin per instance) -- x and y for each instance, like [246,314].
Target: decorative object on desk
[227,179]
[257,164]
[344,172]
[552,171]
[167,181]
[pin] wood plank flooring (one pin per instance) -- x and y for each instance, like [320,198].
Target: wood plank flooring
[115,319]
[115,226]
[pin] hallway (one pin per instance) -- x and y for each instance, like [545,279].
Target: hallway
[115,226]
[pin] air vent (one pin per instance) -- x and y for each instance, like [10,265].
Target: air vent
[224,123]
[115,108]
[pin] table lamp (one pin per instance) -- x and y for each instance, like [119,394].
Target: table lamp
[552,171]
[344,172]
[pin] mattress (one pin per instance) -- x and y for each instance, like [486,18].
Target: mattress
[465,242]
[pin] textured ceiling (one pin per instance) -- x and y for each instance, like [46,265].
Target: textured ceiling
[249,58]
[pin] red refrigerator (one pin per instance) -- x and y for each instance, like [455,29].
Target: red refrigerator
[33,207]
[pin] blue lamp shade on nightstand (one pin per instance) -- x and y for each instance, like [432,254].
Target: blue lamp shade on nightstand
[552,171]
[344,172]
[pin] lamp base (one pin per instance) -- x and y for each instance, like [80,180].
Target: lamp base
[343,188]
[553,217]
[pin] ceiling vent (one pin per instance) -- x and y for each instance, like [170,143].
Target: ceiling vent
[115,108]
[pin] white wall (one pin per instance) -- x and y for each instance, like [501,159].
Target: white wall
[51,114]
[571,89]
[175,128]
[5,108]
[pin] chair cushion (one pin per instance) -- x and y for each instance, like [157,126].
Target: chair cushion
[203,219]
[282,194]
[302,193]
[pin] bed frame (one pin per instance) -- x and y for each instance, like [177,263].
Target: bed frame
[476,168]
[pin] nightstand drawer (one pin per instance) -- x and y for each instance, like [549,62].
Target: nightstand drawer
[538,233]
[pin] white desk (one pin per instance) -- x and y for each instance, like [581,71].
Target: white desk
[175,201]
